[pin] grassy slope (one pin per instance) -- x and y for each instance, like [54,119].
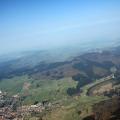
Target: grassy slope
[39,89]
[52,90]
[14,85]
[70,111]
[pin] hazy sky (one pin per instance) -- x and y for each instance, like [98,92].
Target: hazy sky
[30,24]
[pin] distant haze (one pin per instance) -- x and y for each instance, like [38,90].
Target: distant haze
[44,24]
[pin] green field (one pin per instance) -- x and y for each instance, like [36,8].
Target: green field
[37,90]
[52,90]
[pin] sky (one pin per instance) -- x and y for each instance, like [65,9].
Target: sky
[43,24]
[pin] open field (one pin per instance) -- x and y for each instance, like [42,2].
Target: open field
[37,90]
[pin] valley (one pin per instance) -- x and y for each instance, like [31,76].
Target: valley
[64,90]
[59,59]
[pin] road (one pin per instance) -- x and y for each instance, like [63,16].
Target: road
[87,88]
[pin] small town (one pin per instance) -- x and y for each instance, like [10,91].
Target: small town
[12,109]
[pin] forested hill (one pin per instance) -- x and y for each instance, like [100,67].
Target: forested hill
[91,65]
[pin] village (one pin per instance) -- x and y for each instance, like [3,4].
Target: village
[12,109]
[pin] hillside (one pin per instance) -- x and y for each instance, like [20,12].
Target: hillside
[68,86]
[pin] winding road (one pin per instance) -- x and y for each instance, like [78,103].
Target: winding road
[86,90]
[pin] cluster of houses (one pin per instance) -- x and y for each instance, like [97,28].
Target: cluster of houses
[7,111]
[38,108]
